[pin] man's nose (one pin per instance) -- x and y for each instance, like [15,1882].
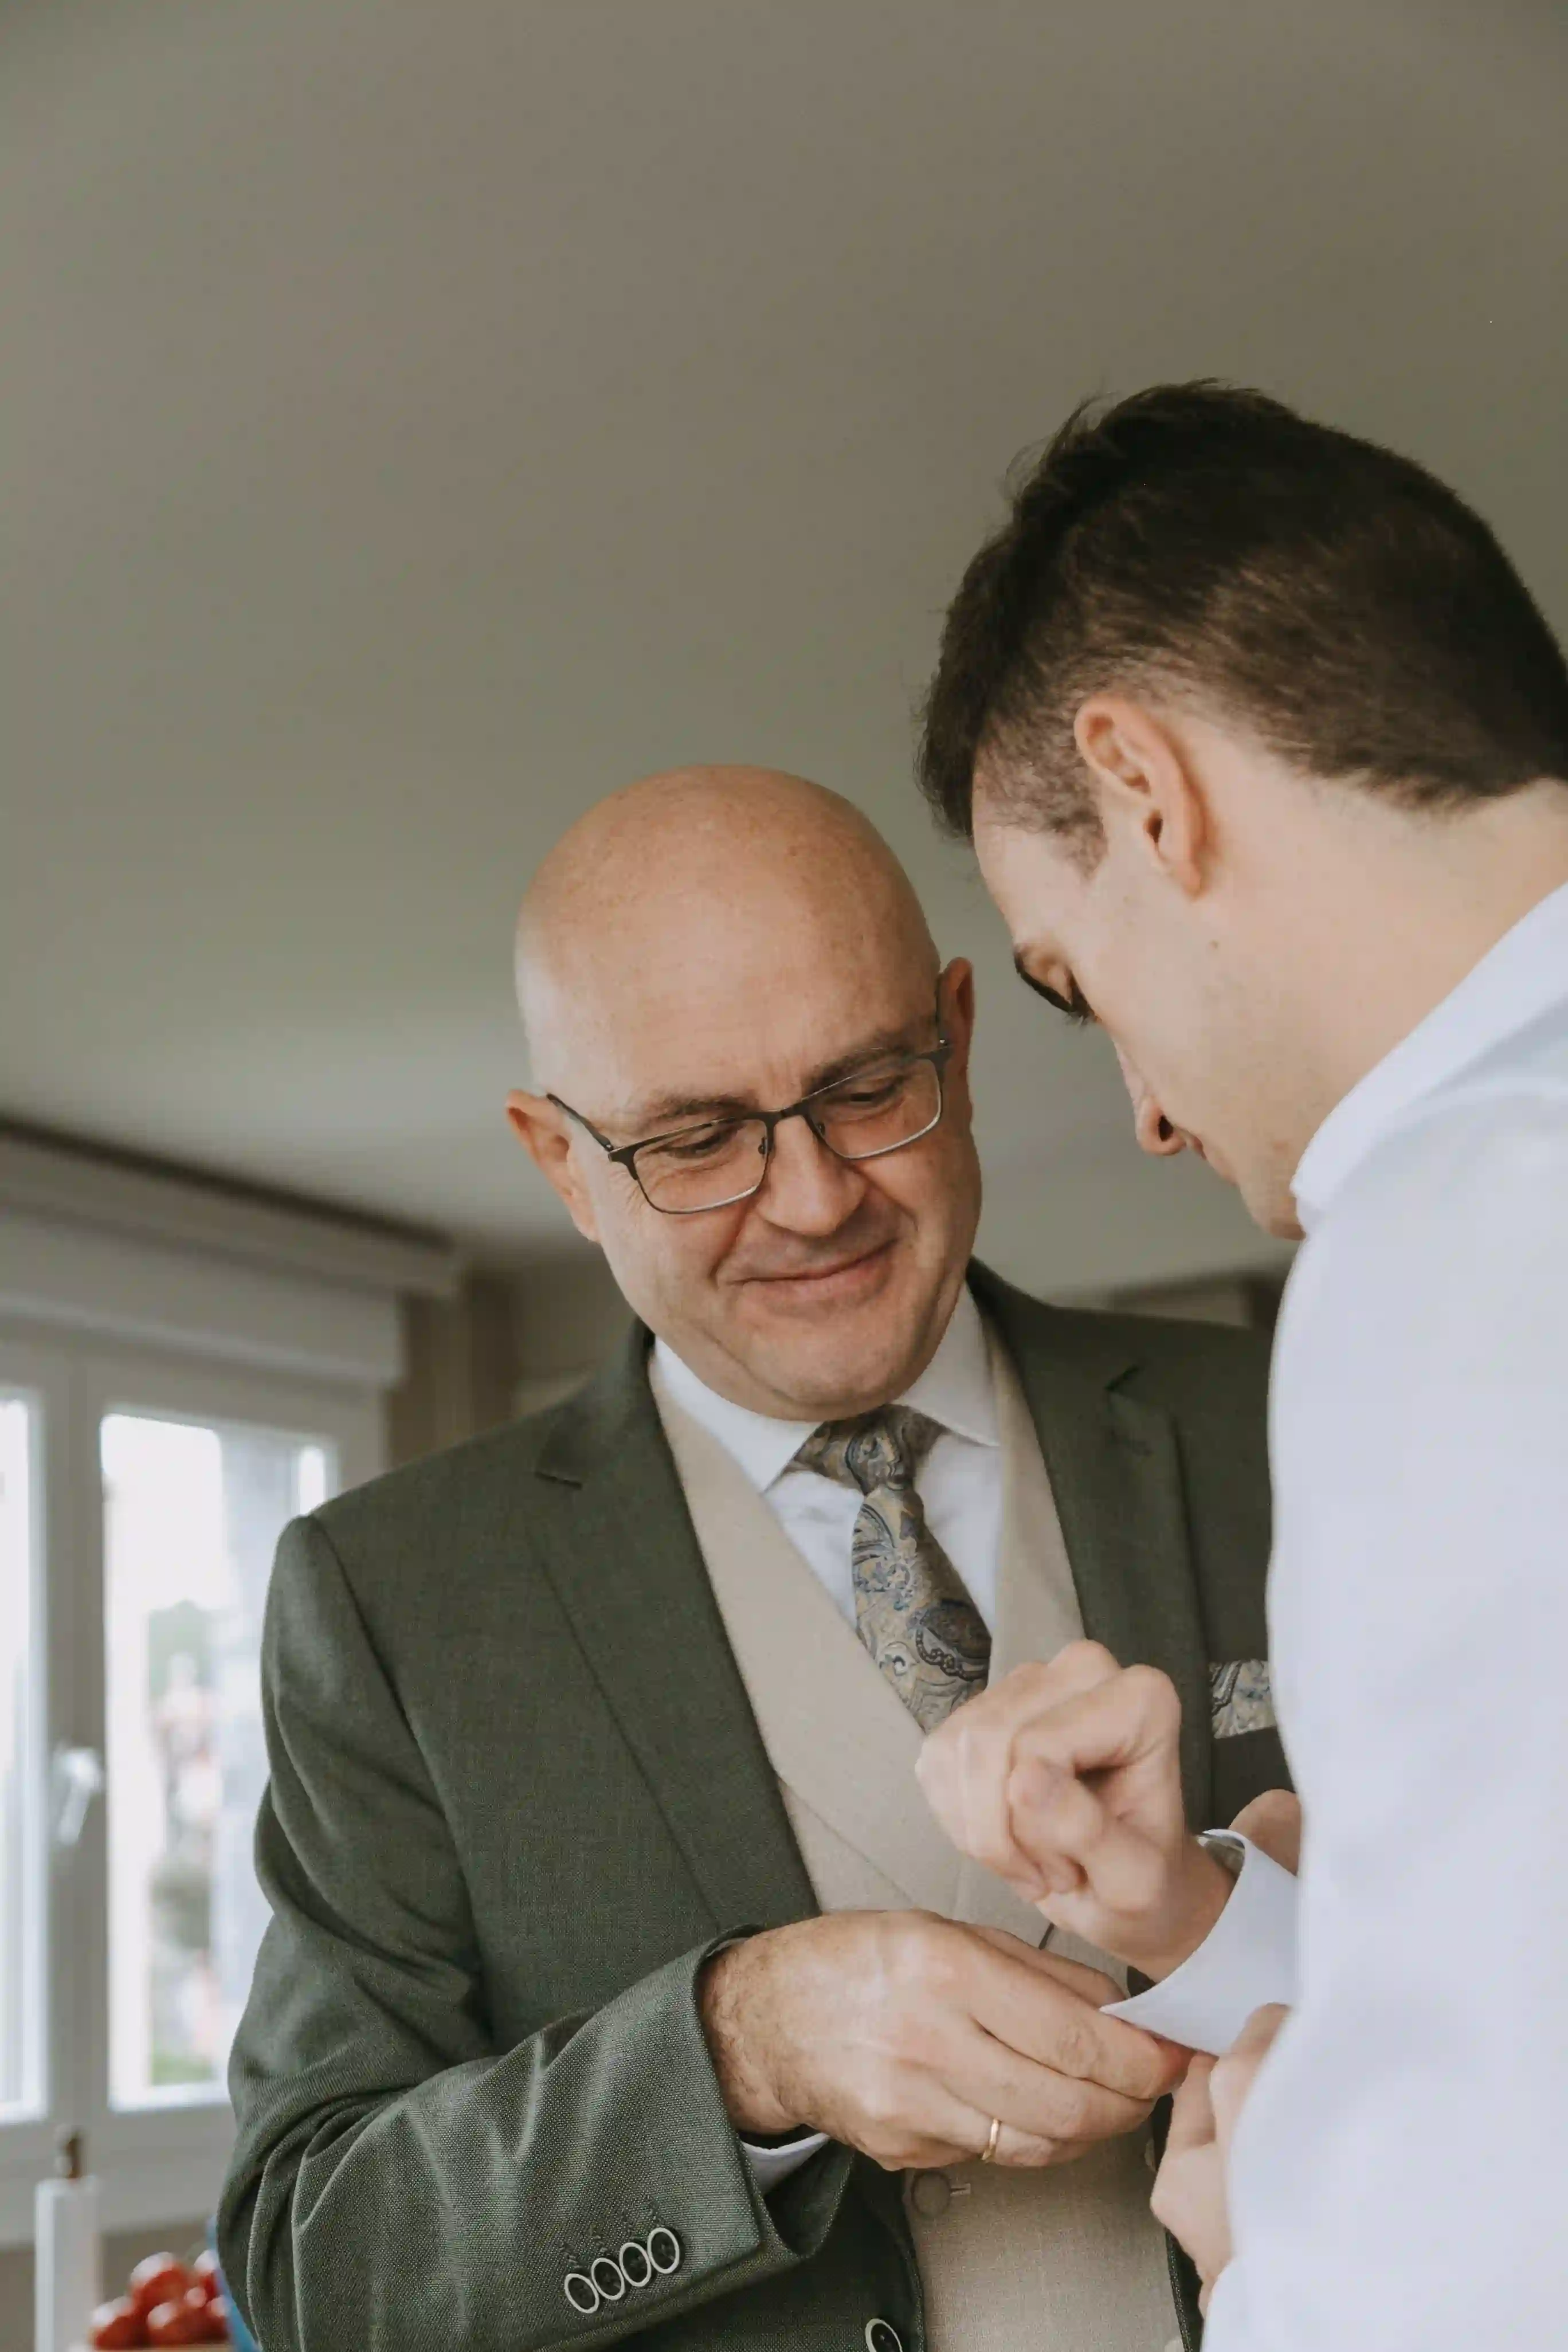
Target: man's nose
[1154,1130]
[808,1189]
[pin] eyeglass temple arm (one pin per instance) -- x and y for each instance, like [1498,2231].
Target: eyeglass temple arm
[589,1128]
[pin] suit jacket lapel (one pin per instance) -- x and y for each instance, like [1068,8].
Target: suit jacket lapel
[1116,1475]
[621,1551]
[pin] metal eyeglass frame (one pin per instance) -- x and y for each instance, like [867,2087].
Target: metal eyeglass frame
[624,1155]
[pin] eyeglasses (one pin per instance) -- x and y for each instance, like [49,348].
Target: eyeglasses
[876,1110]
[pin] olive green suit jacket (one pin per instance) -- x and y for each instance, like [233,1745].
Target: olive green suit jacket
[517,1796]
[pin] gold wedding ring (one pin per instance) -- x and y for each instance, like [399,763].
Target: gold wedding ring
[988,2153]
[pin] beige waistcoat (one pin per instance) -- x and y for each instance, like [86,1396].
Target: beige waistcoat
[1067,2260]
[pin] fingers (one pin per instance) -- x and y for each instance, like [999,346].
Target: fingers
[1235,2074]
[1273,1822]
[1036,2102]
[1123,1723]
[1192,2109]
[1089,1984]
[1034,2016]
[1123,1719]
[964,1767]
[1073,1839]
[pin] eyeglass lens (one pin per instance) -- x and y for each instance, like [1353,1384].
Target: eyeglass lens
[726,1159]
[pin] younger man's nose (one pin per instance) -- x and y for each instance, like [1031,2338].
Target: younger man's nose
[1154,1130]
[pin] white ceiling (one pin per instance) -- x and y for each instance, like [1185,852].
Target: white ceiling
[417,420]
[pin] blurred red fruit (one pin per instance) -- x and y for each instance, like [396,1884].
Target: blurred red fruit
[160,2279]
[117,2325]
[206,2272]
[185,2321]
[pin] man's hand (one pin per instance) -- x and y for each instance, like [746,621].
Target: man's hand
[1273,1822]
[1190,2195]
[1066,1780]
[902,2035]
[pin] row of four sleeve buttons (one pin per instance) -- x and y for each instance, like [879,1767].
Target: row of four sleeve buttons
[638,2264]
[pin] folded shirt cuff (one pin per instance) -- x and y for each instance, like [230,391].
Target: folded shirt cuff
[770,2166]
[1247,1958]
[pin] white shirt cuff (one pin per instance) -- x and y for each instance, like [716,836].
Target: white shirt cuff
[1248,1957]
[770,2166]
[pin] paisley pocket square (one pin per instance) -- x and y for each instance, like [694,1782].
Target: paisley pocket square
[1241,1698]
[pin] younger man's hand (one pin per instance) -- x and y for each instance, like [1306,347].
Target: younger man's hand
[1190,2196]
[1065,1780]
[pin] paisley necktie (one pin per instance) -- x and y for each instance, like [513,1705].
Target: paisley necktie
[911,1608]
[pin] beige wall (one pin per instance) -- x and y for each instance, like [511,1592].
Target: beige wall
[507,1344]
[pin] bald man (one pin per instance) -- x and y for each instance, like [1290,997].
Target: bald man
[620,1982]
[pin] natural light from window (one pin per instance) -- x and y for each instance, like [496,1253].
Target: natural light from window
[192,1515]
[20,1876]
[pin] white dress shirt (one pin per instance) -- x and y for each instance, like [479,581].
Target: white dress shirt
[1398,2176]
[959,1485]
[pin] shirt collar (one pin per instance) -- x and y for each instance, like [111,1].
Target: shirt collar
[955,1389]
[1522,976]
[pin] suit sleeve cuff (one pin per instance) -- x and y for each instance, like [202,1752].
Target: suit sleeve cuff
[772,2166]
[1248,1957]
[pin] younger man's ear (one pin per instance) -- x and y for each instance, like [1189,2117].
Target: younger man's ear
[1145,783]
[546,1136]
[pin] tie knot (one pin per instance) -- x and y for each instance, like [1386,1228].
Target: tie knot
[881,1449]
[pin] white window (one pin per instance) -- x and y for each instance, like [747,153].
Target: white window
[192,1513]
[163,1416]
[22,1873]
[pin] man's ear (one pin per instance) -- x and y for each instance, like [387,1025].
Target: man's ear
[956,997]
[546,1136]
[1145,782]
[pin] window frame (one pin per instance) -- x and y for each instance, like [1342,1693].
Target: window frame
[156,2164]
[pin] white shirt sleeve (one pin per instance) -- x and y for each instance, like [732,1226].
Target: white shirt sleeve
[1397,2180]
[1248,1957]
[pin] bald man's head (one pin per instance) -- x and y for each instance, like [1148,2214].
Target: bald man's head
[719,943]
[732,871]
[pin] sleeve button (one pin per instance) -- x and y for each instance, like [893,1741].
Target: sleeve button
[664,2250]
[608,2278]
[882,2336]
[637,2267]
[580,2292]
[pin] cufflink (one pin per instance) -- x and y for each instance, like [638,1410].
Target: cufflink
[1227,1849]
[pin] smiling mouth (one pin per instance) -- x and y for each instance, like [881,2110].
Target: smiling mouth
[812,1276]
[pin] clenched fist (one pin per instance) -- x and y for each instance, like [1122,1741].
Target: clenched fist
[1065,1780]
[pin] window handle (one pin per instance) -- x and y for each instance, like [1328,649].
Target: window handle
[78,1779]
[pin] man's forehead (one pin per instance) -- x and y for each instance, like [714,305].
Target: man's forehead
[750,1056]
[1031,877]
